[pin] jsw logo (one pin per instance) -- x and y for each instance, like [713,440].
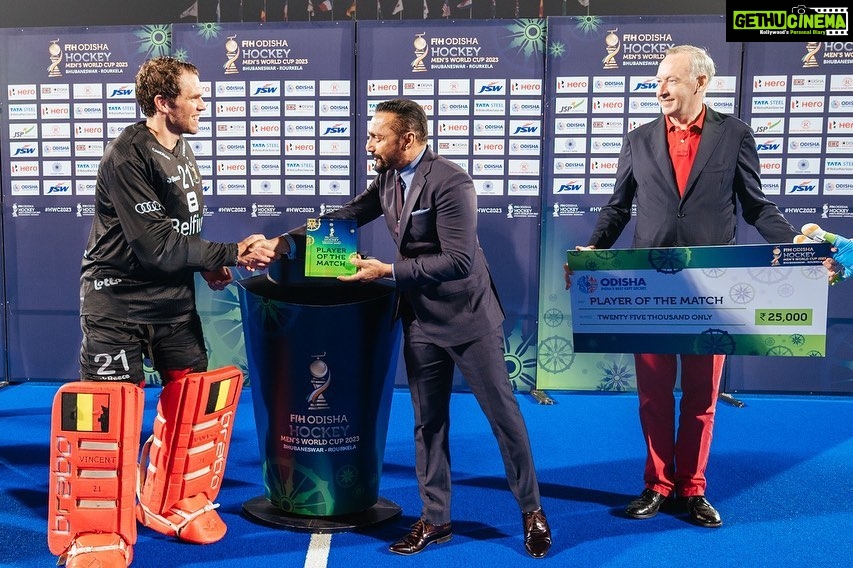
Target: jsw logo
[646,86]
[569,187]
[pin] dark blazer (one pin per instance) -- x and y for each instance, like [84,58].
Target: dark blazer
[441,272]
[726,173]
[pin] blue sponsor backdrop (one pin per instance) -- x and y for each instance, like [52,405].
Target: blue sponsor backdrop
[481,85]
[534,109]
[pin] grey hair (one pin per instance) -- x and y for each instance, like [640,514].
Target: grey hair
[700,61]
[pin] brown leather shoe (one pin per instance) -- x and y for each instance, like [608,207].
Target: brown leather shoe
[422,534]
[537,533]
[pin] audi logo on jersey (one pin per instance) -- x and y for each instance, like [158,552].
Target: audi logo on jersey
[148,207]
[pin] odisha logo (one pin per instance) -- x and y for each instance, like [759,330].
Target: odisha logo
[587,284]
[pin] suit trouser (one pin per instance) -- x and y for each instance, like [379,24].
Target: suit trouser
[430,373]
[676,461]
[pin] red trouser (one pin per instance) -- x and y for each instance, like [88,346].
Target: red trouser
[676,461]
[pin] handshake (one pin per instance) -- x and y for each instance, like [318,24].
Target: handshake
[840,265]
[255,252]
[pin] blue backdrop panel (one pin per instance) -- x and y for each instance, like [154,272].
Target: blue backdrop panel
[277,146]
[68,91]
[481,85]
[798,97]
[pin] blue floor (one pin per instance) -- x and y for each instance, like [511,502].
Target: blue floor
[781,474]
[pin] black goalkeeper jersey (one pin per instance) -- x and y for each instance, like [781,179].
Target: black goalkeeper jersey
[145,244]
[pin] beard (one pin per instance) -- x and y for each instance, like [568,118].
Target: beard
[380,166]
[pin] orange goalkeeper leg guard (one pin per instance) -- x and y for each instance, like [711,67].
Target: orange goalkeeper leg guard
[186,455]
[95,428]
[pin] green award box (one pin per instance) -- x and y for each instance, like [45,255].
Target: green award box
[330,244]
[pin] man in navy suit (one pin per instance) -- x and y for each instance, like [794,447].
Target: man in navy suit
[687,171]
[450,311]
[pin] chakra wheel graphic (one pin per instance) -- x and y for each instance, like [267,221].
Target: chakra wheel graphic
[780,351]
[742,293]
[553,317]
[346,476]
[555,354]
[715,341]
[770,275]
[297,489]
[520,359]
[669,261]
[814,272]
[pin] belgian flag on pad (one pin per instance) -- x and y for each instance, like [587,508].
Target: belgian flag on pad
[85,412]
[219,396]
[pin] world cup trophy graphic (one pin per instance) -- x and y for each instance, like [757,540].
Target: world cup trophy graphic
[420,45]
[611,40]
[232,52]
[55,59]
[321,377]
[809,59]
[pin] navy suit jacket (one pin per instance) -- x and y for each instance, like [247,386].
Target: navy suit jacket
[441,271]
[726,174]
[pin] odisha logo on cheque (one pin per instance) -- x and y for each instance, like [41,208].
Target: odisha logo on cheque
[589,284]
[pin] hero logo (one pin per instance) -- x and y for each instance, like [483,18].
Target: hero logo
[148,207]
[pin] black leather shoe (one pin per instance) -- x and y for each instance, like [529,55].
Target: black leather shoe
[703,513]
[537,533]
[646,505]
[422,534]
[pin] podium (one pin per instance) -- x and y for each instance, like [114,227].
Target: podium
[322,359]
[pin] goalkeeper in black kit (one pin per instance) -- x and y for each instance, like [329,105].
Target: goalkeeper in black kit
[137,294]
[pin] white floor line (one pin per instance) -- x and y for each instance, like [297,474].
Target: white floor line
[318,551]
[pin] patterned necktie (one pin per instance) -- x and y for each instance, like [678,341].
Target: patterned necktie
[399,192]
